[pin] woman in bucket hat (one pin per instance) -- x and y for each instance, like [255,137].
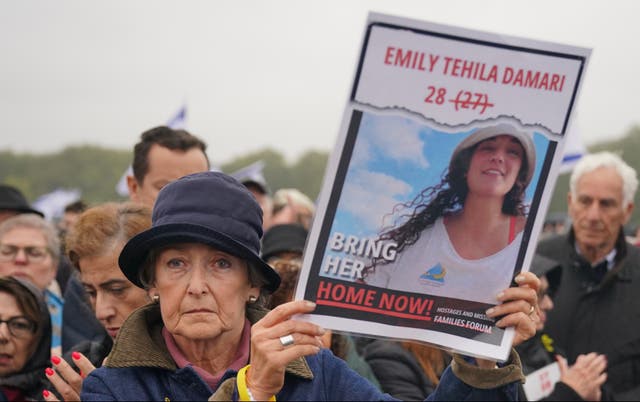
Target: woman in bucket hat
[467,228]
[208,332]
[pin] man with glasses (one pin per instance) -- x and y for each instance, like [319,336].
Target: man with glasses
[30,249]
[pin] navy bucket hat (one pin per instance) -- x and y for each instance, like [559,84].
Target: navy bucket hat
[210,208]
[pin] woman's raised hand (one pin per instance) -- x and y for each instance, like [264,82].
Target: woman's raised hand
[519,307]
[64,378]
[276,340]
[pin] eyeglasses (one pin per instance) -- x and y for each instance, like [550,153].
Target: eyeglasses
[9,252]
[20,327]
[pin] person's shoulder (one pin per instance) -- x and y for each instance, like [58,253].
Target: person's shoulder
[325,361]
[551,244]
[324,356]
[633,251]
[381,349]
[117,383]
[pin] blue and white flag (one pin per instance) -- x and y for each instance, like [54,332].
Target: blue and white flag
[121,188]
[52,204]
[179,120]
[574,149]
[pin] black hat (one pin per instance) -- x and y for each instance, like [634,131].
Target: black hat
[283,238]
[12,199]
[210,208]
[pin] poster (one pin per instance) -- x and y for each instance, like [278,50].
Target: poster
[541,382]
[448,151]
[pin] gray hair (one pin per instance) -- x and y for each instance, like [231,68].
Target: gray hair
[591,162]
[33,221]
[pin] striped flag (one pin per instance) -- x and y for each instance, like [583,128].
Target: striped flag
[574,149]
[179,120]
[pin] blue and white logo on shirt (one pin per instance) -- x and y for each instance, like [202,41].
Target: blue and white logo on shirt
[434,275]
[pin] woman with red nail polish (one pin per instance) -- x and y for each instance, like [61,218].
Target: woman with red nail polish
[25,341]
[93,245]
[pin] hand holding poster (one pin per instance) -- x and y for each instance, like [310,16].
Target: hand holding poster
[432,201]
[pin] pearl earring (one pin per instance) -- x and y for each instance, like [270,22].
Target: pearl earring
[252,299]
[156,298]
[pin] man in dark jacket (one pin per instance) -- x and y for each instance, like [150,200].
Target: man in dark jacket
[581,381]
[596,303]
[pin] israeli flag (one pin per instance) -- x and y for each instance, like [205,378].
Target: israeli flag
[574,149]
[52,204]
[179,120]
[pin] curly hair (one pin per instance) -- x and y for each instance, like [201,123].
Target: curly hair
[444,198]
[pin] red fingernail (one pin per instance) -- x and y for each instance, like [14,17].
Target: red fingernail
[45,393]
[55,360]
[48,371]
[75,356]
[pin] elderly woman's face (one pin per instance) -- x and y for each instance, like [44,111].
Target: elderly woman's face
[24,254]
[14,349]
[495,165]
[203,291]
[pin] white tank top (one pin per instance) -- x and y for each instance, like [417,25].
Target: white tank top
[432,266]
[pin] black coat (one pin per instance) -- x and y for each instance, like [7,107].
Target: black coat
[399,373]
[599,317]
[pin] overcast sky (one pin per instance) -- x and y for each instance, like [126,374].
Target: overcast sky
[258,73]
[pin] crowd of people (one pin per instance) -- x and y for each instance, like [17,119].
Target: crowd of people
[185,292]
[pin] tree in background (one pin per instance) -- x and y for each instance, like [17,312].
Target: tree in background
[96,170]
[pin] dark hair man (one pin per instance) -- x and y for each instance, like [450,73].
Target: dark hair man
[71,213]
[596,302]
[162,156]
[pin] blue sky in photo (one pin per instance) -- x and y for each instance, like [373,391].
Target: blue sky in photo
[394,158]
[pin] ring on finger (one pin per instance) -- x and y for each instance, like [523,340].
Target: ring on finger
[286,340]
[532,310]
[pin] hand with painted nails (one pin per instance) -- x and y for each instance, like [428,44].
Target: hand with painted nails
[519,307]
[65,379]
[276,340]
